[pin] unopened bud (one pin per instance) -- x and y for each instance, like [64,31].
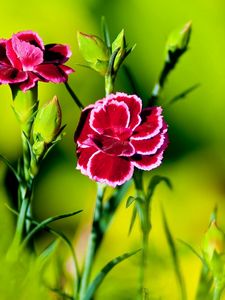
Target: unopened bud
[214,241]
[179,39]
[47,123]
[24,105]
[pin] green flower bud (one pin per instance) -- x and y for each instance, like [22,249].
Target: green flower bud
[179,39]
[24,105]
[214,241]
[213,248]
[119,43]
[47,124]
[94,51]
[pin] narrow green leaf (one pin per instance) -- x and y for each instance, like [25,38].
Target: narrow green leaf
[130,200]
[174,255]
[184,94]
[192,250]
[111,61]
[205,283]
[102,274]
[58,139]
[105,32]
[155,180]
[84,66]
[133,218]
[131,49]
[32,156]
[64,238]
[8,164]
[61,293]
[213,217]
[44,223]
[48,251]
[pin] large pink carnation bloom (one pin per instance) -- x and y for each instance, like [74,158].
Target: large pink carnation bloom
[115,135]
[24,60]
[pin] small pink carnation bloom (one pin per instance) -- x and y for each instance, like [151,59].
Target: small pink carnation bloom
[24,60]
[115,135]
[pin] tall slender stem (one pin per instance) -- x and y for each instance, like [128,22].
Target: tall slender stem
[109,84]
[143,210]
[25,192]
[74,96]
[24,105]
[92,243]
[217,290]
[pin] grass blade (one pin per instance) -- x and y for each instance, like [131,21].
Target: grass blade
[8,164]
[184,94]
[175,259]
[102,274]
[65,239]
[132,221]
[155,180]
[105,32]
[44,223]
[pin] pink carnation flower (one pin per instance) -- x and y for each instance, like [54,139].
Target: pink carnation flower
[115,135]
[24,60]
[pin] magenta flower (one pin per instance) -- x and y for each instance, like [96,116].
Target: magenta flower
[115,135]
[24,60]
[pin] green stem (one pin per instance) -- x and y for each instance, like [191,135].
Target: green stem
[26,156]
[216,294]
[169,65]
[74,96]
[24,106]
[143,210]
[25,192]
[109,84]
[144,256]
[92,243]
[217,291]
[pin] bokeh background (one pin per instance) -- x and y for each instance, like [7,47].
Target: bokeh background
[194,162]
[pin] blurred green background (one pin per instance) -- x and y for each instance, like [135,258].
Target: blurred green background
[194,162]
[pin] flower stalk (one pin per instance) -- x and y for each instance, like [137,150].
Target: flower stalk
[142,206]
[176,46]
[24,105]
[92,243]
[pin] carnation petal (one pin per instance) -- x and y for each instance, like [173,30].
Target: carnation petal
[51,73]
[83,157]
[113,146]
[29,83]
[56,53]
[148,146]
[28,54]
[66,70]
[109,169]
[11,75]
[3,58]
[152,123]
[31,37]
[83,130]
[12,56]
[134,104]
[148,162]
[111,115]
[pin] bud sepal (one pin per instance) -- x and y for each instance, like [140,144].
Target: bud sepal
[94,51]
